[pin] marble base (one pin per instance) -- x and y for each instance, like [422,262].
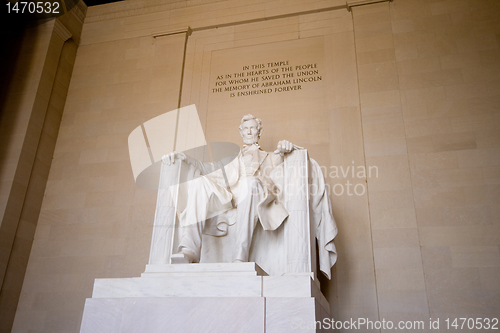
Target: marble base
[214,269]
[225,297]
[182,314]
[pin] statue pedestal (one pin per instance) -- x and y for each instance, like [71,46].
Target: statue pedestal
[222,297]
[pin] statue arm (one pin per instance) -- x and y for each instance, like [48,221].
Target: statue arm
[276,159]
[205,168]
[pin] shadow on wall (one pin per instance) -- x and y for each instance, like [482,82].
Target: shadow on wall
[18,38]
[11,39]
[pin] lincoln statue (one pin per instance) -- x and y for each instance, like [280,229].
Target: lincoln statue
[244,183]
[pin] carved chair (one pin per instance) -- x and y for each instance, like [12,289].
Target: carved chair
[290,249]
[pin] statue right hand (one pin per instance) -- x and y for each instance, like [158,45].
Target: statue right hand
[170,158]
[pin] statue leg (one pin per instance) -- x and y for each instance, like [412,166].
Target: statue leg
[199,207]
[250,194]
[190,241]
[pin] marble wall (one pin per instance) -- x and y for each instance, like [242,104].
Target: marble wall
[409,87]
[428,76]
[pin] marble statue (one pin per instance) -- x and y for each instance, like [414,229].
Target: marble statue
[251,186]
[247,187]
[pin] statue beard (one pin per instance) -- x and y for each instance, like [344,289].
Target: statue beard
[250,141]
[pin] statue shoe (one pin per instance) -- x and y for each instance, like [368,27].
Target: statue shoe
[185,256]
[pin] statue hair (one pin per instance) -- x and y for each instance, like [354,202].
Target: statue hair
[250,117]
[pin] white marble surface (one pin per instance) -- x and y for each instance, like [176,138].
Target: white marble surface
[205,269]
[102,315]
[186,286]
[205,314]
[290,314]
[176,315]
[293,286]
[204,298]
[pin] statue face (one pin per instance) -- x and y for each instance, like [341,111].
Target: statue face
[250,132]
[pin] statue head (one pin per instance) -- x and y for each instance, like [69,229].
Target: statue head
[250,129]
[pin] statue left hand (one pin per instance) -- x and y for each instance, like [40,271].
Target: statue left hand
[284,147]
